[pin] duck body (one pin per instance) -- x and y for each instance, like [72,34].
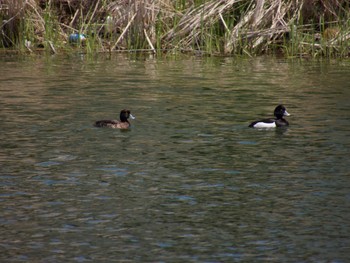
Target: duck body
[115,124]
[123,123]
[279,121]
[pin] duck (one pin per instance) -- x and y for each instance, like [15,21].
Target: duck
[116,124]
[279,121]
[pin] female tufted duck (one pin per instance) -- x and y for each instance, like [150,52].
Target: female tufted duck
[279,121]
[122,124]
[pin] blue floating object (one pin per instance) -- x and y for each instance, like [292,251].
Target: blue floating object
[76,38]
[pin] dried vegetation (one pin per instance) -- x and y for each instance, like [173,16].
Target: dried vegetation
[204,27]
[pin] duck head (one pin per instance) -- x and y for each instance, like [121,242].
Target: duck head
[280,111]
[125,115]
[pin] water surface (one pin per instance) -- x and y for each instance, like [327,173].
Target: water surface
[189,182]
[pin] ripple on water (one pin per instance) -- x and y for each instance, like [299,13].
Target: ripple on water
[190,181]
[59,160]
[114,170]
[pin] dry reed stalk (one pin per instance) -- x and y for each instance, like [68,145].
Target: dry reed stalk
[277,25]
[144,13]
[339,38]
[251,25]
[11,12]
[36,16]
[259,26]
[92,16]
[224,23]
[53,50]
[205,14]
[270,20]
[125,30]
[74,18]
[149,41]
[258,14]
[195,24]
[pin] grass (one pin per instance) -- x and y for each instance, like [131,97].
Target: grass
[304,28]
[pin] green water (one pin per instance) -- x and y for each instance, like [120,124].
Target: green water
[189,182]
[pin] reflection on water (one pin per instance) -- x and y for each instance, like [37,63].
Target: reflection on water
[189,182]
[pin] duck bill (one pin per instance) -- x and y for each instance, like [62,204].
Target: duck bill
[286,113]
[132,117]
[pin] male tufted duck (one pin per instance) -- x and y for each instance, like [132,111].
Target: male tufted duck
[279,121]
[122,124]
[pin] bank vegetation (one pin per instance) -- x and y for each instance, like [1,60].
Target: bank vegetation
[291,28]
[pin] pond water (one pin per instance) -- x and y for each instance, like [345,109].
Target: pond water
[189,182]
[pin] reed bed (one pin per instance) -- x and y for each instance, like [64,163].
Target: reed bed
[203,27]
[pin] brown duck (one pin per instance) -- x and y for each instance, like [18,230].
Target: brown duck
[115,124]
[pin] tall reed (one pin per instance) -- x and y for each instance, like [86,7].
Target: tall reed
[207,27]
